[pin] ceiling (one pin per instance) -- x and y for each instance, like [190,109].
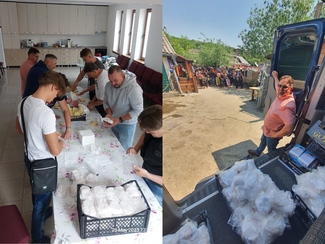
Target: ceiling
[95,2]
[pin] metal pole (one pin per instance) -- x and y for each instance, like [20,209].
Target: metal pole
[175,75]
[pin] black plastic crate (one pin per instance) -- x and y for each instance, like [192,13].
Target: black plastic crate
[220,188]
[203,218]
[306,216]
[94,227]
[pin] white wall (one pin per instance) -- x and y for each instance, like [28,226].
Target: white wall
[154,47]
[99,39]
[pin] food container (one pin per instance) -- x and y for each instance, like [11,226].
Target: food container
[95,227]
[86,137]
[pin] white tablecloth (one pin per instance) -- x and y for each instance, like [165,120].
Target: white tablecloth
[112,172]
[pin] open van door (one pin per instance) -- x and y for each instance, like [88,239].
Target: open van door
[296,52]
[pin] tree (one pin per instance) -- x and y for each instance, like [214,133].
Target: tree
[213,52]
[263,20]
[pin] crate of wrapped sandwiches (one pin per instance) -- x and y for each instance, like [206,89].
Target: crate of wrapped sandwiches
[260,211]
[109,210]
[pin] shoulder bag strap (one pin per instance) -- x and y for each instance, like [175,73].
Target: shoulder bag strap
[23,122]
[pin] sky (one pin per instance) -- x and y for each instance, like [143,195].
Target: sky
[217,19]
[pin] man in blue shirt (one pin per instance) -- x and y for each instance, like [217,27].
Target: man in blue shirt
[36,72]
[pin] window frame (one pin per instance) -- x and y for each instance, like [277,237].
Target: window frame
[120,33]
[149,10]
[131,31]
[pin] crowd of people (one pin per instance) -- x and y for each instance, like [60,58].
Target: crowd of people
[218,77]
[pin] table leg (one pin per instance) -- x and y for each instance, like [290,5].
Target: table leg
[253,95]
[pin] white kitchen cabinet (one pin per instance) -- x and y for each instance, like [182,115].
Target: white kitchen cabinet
[11,41]
[41,11]
[4,15]
[73,19]
[64,20]
[42,53]
[91,19]
[57,53]
[73,56]
[32,21]
[23,20]
[82,19]
[6,41]
[101,19]
[64,56]
[15,40]
[13,18]
[53,22]
[15,57]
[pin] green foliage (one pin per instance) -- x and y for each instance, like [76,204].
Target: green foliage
[252,83]
[264,19]
[210,52]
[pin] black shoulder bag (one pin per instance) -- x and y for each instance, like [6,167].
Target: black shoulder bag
[43,173]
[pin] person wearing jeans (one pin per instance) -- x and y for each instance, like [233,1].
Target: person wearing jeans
[123,102]
[42,141]
[150,144]
[280,119]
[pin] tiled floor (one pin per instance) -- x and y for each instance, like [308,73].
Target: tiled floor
[14,180]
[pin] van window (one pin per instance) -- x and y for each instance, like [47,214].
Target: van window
[295,57]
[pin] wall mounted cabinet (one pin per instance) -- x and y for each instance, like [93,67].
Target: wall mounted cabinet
[53,23]
[41,10]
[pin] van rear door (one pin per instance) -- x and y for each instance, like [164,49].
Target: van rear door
[296,52]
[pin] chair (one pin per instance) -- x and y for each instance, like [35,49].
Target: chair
[12,226]
[133,66]
[1,68]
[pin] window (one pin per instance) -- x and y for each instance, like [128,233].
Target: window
[295,56]
[131,32]
[145,35]
[120,33]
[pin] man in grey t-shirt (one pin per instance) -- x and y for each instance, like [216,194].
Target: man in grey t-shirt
[88,57]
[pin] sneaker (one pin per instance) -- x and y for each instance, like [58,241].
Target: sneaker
[49,213]
[253,153]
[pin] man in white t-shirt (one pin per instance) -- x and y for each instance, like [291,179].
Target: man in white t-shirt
[101,78]
[42,142]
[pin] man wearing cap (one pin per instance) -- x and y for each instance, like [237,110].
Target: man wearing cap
[280,119]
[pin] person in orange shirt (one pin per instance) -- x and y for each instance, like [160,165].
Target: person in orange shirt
[33,55]
[280,119]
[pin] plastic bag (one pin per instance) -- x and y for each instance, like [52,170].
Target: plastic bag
[263,204]
[226,177]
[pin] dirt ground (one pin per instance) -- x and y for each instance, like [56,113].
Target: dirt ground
[206,132]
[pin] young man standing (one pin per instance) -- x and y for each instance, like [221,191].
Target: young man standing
[101,78]
[88,57]
[42,142]
[33,55]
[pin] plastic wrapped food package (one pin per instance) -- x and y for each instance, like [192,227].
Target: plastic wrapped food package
[189,233]
[91,179]
[263,203]
[88,208]
[84,192]
[112,201]
[254,197]
[226,177]
[274,224]
[311,188]
[76,175]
